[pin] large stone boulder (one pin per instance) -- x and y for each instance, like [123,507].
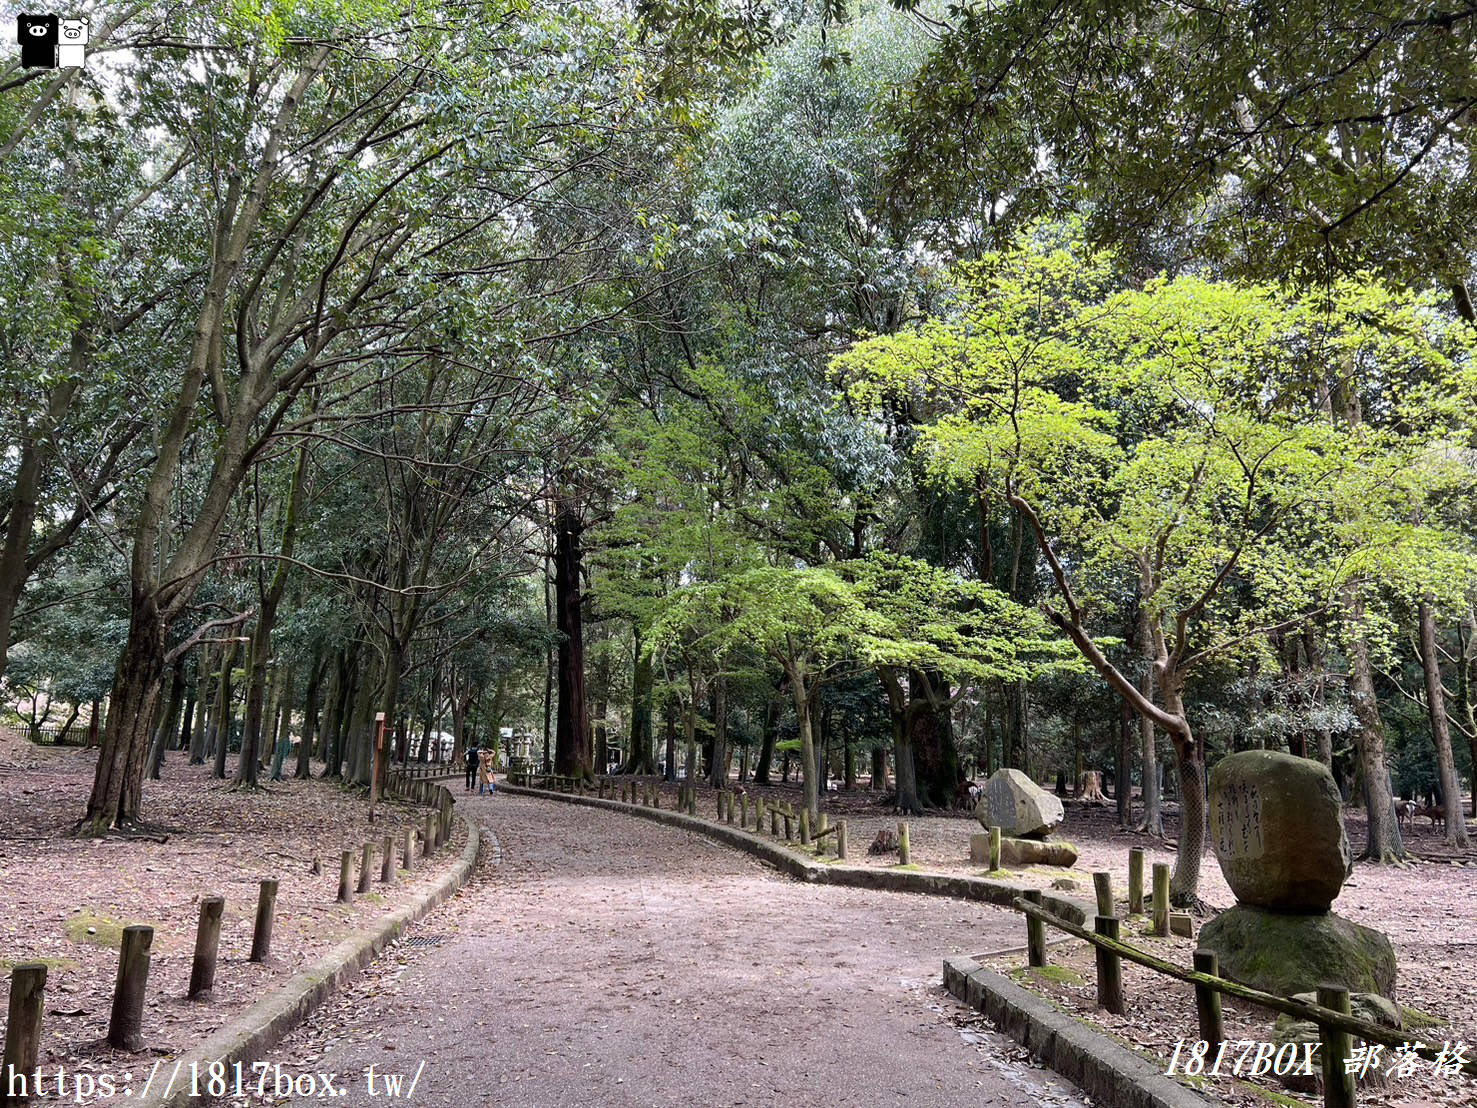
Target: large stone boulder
[1287,953]
[1277,825]
[1018,806]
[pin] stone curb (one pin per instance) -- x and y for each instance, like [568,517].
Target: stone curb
[262,1026]
[1107,1071]
[987,889]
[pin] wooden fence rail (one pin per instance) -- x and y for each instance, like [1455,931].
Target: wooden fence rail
[1334,1026]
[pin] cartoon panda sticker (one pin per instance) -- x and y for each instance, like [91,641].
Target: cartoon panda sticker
[38,36]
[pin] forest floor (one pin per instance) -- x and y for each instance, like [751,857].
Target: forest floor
[66,899]
[1426,908]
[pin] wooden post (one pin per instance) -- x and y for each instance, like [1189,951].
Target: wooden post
[789,818]
[744,810]
[1109,967]
[428,837]
[1207,1000]
[125,1025]
[903,853]
[374,769]
[1035,932]
[824,823]
[728,815]
[719,796]
[23,1027]
[804,826]
[346,878]
[387,863]
[1161,898]
[1102,885]
[994,849]
[774,822]
[758,813]
[207,946]
[1136,881]
[656,796]
[409,855]
[266,912]
[841,840]
[366,864]
[1338,1086]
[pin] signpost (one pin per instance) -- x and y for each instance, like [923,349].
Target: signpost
[374,774]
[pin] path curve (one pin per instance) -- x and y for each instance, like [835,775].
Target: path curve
[614,961]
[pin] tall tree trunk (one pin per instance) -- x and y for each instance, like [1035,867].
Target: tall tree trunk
[1123,767]
[1451,789]
[766,748]
[1153,802]
[168,720]
[304,768]
[572,734]
[284,731]
[1189,761]
[1385,844]
[807,744]
[638,753]
[718,767]
[1314,655]
[879,768]
[224,711]
[117,785]
[202,688]
[36,448]
[669,769]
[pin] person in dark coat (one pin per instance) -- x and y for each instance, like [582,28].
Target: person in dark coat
[471,765]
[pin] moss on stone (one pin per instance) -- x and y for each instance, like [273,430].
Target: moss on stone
[88,926]
[1414,1017]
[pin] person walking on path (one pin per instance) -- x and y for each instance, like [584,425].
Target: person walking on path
[489,763]
[472,761]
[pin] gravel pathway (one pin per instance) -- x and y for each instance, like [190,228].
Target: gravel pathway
[608,960]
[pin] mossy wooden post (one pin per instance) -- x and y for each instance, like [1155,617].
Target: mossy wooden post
[125,1025]
[387,863]
[346,878]
[728,815]
[1338,1086]
[207,947]
[1161,898]
[366,865]
[774,822]
[409,856]
[758,813]
[904,855]
[823,822]
[744,810]
[1035,932]
[789,818]
[994,849]
[718,799]
[1207,1000]
[804,826]
[1109,967]
[266,914]
[428,840]
[656,796]
[841,840]
[1136,881]
[1102,885]
[23,1027]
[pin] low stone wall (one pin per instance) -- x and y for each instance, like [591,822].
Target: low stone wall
[1106,1070]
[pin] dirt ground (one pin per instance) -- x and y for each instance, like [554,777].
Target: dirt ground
[65,899]
[616,962]
[1428,909]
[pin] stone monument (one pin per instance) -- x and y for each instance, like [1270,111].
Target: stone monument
[1025,814]
[1276,822]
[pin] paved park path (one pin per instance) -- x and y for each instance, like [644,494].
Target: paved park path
[609,960]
